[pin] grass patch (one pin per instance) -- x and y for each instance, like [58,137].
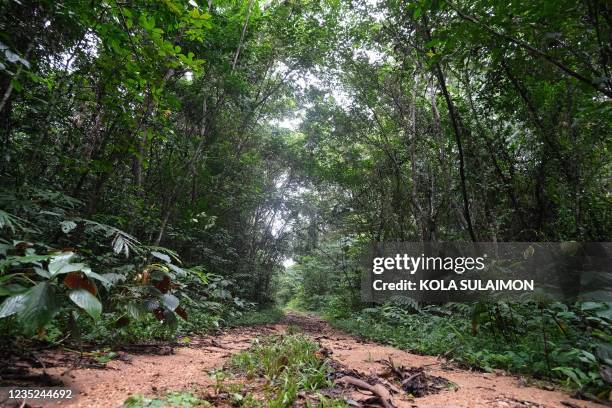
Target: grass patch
[295,305]
[269,315]
[172,399]
[289,364]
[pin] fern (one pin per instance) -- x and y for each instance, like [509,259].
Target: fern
[13,222]
[121,241]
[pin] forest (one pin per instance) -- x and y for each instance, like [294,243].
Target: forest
[192,184]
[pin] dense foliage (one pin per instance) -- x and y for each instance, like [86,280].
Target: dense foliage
[451,121]
[140,169]
[160,160]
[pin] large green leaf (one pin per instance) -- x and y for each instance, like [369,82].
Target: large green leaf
[40,305]
[12,305]
[62,257]
[170,301]
[86,301]
[88,272]
[60,264]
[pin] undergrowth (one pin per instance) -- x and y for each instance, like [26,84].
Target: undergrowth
[172,399]
[289,364]
[267,315]
[566,345]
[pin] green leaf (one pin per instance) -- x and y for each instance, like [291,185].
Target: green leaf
[9,277]
[61,264]
[12,305]
[60,269]
[42,272]
[110,279]
[88,272]
[146,23]
[179,271]
[135,311]
[40,305]
[151,304]
[170,319]
[170,301]
[12,289]
[161,256]
[587,357]
[34,259]
[592,306]
[86,301]
[16,84]
[120,245]
[417,13]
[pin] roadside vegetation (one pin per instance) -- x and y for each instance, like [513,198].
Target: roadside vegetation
[552,343]
[160,161]
[268,315]
[138,180]
[99,285]
[291,365]
[565,344]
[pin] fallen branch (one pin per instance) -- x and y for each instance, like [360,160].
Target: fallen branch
[378,389]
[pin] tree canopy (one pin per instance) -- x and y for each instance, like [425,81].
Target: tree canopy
[166,158]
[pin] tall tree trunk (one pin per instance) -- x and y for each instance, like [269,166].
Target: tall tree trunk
[457,130]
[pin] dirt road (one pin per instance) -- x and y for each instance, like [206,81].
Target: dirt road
[187,368]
